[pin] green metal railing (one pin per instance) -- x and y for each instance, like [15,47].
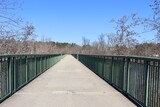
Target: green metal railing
[18,70]
[136,77]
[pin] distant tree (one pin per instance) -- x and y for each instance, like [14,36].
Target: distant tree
[95,47]
[102,43]
[125,30]
[112,40]
[99,46]
[86,47]
[146,49]
[27,39]
[125,34]
[85,42]
[8,43]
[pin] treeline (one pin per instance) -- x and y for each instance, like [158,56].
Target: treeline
[30,46]
[26,44]
[102,46]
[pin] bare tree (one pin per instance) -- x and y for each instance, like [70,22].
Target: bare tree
[9,23]
[86,47]
[85,41]
[7,43]
[153,23]
[102,43]
[95,47]
[112,40]
[125,30]
[27,39]
[8,18]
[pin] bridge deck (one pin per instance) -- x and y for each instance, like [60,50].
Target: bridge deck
[67,84]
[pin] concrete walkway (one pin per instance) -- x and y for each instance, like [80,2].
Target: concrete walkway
[67,84]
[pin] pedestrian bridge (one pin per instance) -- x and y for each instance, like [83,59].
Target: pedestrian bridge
[69,83]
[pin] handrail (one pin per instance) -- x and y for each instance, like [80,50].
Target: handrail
[135,77]
[18,70]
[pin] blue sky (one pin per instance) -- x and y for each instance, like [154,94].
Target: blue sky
[70,20]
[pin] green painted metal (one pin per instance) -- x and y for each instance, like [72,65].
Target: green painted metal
[136,77]
[18,70]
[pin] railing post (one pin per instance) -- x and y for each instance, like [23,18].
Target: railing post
[26,69]
[14,73]
[146,82]
[112,70]
[77,57]
[103,61]
[36,65]
[128,74]
[41,64]
[124,75]
[9,76]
